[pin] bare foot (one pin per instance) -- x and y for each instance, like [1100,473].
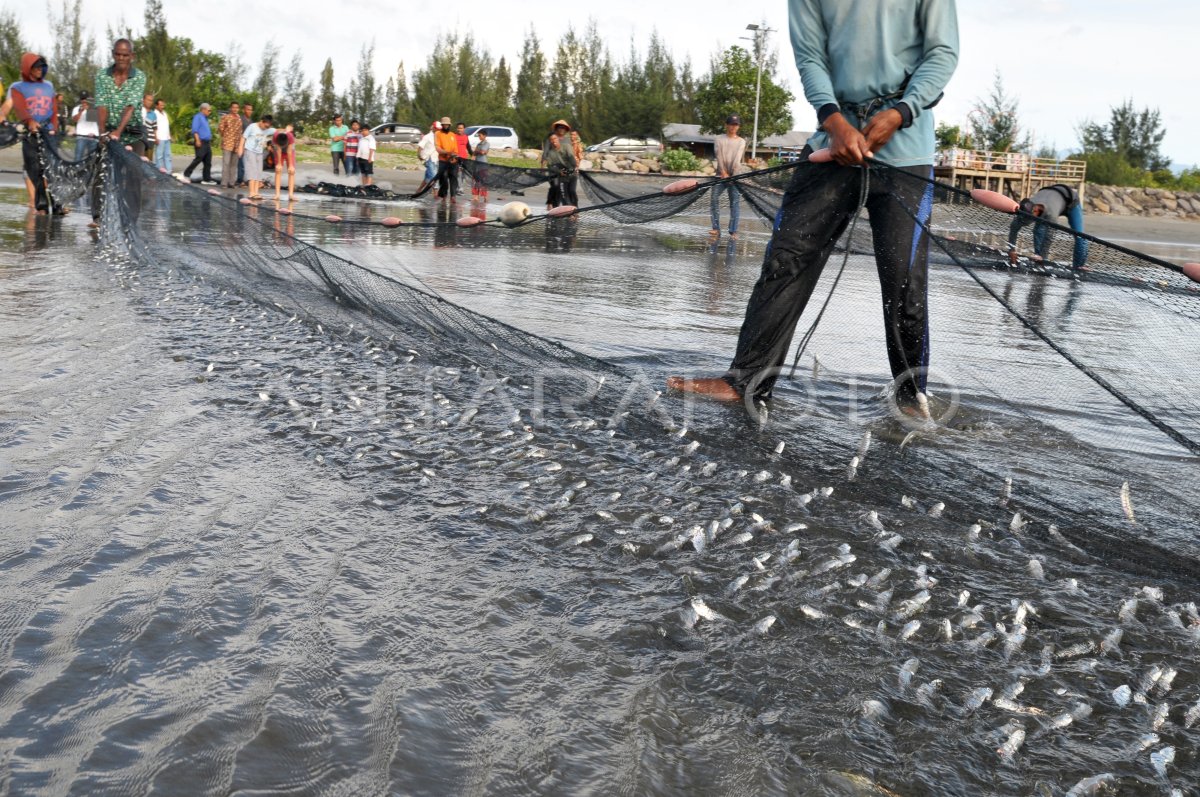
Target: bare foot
[714,233]
[733,235]
[713,387]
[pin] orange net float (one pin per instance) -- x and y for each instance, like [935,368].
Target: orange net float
[468,221]
[333,218]
[995,201]
[680,186]
[1192,271]
[391,221]
[561,211]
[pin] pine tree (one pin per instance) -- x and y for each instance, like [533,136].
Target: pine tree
[265,85]
[326,96]
[74,53]
[402,110]
[995,126]
[11,47]
[531,117]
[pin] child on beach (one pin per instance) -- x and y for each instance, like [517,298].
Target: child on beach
[366,156]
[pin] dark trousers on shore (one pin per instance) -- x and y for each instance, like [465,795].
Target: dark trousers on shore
[338,158]
[203,159]
[447,178]
[816,210]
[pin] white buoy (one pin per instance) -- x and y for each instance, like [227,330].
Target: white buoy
[513,213]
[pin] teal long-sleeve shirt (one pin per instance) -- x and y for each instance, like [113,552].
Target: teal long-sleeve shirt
[852,51]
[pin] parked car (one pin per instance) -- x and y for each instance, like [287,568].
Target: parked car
[499,137]
[397,133]
[628,145]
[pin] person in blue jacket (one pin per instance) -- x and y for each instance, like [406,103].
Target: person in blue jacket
[871,69]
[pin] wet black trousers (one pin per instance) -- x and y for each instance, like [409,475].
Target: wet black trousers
[816,209]
[447,179]
[33,170]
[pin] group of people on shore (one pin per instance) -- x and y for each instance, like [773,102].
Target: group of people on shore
[353,146]
[250,149]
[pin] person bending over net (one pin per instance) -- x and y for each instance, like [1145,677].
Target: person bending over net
[1050,202]
[869,73]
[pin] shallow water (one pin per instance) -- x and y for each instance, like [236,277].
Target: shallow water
[338,565]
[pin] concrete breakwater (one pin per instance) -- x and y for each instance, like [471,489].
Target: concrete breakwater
[1149,202]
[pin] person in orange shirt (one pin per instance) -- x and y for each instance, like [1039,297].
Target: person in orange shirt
[447,149]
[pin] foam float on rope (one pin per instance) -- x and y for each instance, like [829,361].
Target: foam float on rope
[285,212]
[163,169]
[993,200]
[245,201]
[561,211]
[680,186]
[214,192]
[823,155]
[391,221]
[469,221]
[1192,270]
[513,213]
[333,218]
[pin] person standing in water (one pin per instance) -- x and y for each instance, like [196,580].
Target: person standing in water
[871,72]
[729,149]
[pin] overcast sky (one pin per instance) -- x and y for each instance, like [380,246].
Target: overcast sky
[1065,60]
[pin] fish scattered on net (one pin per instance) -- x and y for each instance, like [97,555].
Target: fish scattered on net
[828,572]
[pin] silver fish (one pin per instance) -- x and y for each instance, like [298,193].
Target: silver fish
[1192,715]
[874,710]
[1127,503]
[1006,491]
[1128,611]
[1112,641]
[702,611]
[581,539]
[947,630]
[909,629]
[786,481]
[691,447]
[891,542]
[864,444]
[873,519]
[1013,743]
[1164,683]
[907,671]
[912,605]
[792,551]
[926,692]
[973,532]
[1036,571]
[764,625]
[1152,593]
[907,503]
[699,539]
[762,476]
[779,447]
[1075,651]
[1161,759]
[1089,787]
[1122,695]
[937,509]
[791,528]
[1014,641]
[1017,524]
[811,613]
[963,597]
[878,579]
[738,539]
[1144,741]
[1160,716]
[977,697]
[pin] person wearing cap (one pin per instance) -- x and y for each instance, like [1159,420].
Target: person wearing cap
[32,99]
[730,149]
[446,144]
[337,142]
[87,128]
[1050,202]
[871,74]
[162,139]
[559,157]
[427,152]
[230,128]
[202,142]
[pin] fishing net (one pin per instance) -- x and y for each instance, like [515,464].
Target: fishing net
[346,265]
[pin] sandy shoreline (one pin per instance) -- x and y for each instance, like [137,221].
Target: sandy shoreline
[1171,238]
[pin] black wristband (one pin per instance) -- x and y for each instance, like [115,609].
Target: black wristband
[905,114]
[825,111]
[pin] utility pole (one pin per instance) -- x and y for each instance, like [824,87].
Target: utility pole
[760,42]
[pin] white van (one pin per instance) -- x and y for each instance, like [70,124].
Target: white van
[499,137]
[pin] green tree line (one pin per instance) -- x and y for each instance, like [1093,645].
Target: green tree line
[579,79]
